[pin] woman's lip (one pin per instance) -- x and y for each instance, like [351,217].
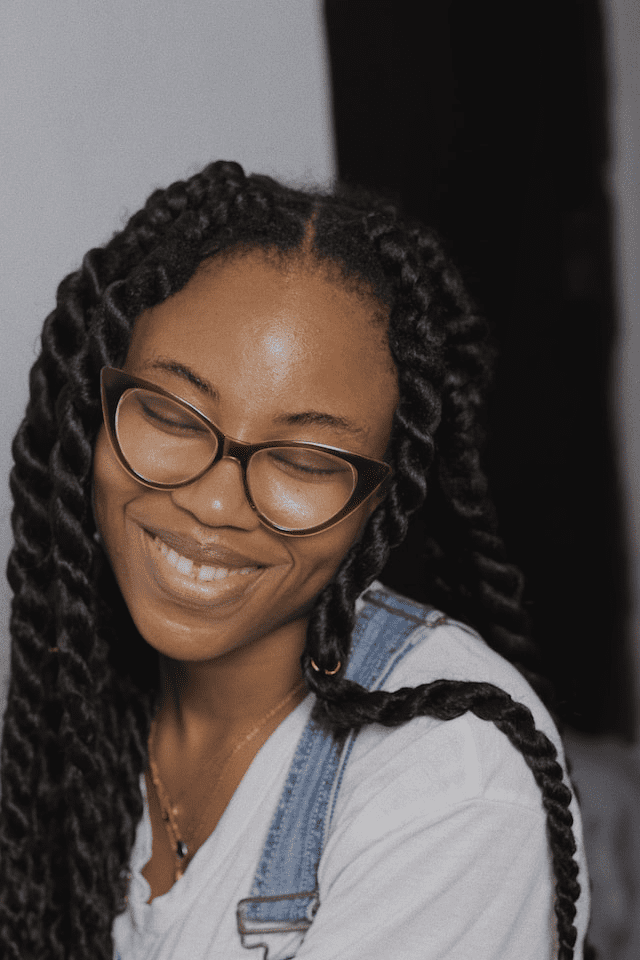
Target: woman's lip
[210,553]
[187,588]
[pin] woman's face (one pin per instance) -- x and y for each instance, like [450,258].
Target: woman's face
[257,349]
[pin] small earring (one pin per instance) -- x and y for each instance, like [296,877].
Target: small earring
[329,673]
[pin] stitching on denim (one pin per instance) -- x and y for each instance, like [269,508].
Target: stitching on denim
[374,597]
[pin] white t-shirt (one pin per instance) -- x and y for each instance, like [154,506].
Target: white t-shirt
[437,848]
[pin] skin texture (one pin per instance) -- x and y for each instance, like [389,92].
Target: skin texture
[265,342]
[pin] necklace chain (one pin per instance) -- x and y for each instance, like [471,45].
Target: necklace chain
[170,810]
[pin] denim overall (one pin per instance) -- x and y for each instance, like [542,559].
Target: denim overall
[284,896]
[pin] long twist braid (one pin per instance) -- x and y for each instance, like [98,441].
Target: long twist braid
[412,447]
[65,736]
[26,737]
[353,707]
[443,356]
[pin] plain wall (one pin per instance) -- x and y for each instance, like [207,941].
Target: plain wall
[102,102]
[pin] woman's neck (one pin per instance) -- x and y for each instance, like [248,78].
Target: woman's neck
[216,699]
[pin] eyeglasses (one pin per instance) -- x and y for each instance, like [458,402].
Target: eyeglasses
[296,488]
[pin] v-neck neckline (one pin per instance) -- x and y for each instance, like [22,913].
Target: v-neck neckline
[219,845]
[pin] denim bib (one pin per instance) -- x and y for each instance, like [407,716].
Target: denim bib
[284,896]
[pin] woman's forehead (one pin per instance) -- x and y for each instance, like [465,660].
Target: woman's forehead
[251,306]
[282,335]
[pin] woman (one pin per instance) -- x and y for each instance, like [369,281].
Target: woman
[197,617]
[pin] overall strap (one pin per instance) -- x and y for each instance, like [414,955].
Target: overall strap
[284,896]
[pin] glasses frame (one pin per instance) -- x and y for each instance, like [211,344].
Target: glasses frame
[370,474]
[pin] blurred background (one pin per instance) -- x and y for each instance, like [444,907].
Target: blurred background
[515,130]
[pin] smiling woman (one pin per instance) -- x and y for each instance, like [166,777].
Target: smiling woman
[223,732]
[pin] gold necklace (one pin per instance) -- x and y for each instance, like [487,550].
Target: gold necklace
[170,811]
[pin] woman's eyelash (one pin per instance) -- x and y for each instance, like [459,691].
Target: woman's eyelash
[153,414]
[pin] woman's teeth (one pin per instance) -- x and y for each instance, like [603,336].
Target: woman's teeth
[198,571]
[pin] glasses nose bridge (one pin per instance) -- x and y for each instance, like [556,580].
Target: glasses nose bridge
[238,450]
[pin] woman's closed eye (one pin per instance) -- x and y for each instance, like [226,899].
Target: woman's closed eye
[306,464]
[167,416]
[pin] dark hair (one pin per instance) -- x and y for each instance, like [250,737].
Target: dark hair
[83,684]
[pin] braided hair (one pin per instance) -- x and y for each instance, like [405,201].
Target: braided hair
[84,684]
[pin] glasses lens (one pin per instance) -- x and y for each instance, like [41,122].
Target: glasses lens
[295,487]
[162,441]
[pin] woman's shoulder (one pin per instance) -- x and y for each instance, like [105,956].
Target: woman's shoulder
[442,647]
[438,837]
[458,759]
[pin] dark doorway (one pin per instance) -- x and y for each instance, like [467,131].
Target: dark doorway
[489,122]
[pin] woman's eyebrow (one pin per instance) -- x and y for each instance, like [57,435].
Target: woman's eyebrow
[185,373]
[307,418]
[316,418]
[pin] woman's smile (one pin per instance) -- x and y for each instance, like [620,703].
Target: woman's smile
[198,569]
[267,352]
[194,581]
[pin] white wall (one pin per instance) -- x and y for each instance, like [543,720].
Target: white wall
[102,102]
[622,33]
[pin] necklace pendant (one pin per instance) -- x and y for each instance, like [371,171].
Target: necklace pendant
[181,849]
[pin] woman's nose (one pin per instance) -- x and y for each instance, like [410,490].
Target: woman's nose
[218,498]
